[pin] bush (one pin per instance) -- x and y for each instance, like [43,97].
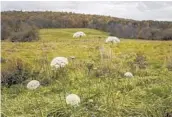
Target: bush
[18,31]
[140,60]
[24,36]
[15,72]
[137,62]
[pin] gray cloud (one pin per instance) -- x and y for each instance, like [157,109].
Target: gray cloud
[132,10]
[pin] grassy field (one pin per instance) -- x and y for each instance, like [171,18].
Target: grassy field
[97,73]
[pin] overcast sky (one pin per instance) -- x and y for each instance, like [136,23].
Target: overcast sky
[131,10]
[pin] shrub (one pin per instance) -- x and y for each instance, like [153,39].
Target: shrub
[24,36]
[15,72]
[18,31]
[140,60]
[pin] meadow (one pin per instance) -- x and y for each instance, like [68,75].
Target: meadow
[96,75]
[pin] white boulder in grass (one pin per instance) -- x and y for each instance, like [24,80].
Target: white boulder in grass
[33,84]
[58,62]
[128,75]
[73,100]
[112,39]
[79,34]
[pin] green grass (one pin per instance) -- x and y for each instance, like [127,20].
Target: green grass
[148,94]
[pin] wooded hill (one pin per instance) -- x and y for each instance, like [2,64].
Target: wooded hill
[22,26]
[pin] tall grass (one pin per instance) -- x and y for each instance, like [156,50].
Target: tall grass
[96,75]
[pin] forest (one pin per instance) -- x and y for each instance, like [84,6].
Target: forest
[19,26]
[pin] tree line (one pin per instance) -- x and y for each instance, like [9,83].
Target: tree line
[23,26]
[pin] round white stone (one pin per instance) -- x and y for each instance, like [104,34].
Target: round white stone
[33,84]
[112,39]
[58,62]
[79,34]
[128,74]
[73,99]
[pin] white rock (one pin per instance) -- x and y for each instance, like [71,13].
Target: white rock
[112,39]
[58,62]
[73,99]
[128,74]
[33,84]
[79,34]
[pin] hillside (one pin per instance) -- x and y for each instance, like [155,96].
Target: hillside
[21,26]
[96,75]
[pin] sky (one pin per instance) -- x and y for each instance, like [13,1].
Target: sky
[137,10]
